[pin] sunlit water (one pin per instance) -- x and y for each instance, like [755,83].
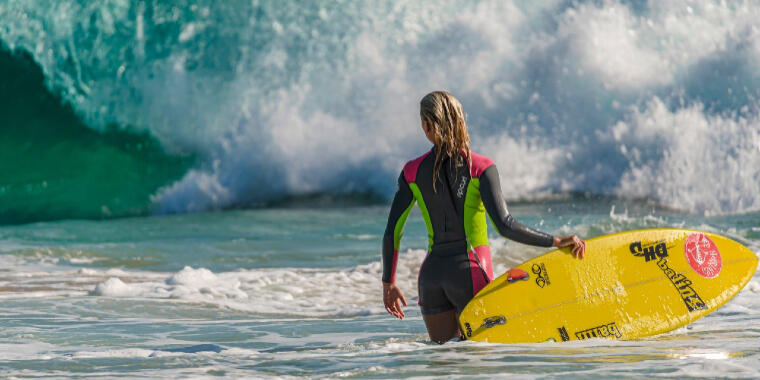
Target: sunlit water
[296,292]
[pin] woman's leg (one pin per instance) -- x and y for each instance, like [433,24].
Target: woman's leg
[442,326]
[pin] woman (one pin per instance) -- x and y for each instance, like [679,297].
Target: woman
[454,187]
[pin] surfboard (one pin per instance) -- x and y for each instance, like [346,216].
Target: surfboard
[630,285]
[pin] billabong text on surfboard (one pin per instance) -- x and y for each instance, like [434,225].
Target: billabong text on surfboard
[683,285]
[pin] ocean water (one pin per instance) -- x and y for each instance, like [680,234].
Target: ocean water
[198,188]
[295,292]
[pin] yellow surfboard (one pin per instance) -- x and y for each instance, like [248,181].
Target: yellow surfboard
[630,285]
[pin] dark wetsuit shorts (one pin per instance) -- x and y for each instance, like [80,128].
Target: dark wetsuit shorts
[448,279]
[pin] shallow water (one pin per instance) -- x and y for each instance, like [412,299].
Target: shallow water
[296,292]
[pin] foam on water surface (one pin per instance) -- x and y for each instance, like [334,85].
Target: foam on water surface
[92,319]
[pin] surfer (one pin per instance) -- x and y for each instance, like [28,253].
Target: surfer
[453,187]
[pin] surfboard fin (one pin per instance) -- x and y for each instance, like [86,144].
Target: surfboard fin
[515,274]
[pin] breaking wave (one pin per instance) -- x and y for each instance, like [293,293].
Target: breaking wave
[277,99]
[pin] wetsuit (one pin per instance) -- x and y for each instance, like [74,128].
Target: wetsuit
[458,262]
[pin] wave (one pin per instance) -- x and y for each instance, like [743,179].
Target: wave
[53,166]
[279,99]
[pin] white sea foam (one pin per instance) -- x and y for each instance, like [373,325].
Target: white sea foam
[44,351]
[604,97]
[713,159]
[26,351]
[304,292]
[275,291]
[288,291]
[300,319]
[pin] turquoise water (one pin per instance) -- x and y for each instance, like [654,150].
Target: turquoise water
[198,188]
[295,292]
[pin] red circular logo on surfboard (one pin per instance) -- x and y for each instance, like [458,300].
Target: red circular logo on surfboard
[703,255]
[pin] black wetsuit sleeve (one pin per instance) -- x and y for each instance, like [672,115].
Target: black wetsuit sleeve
[490,192]
[402,204]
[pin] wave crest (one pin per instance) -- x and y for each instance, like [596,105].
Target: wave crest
[283,99]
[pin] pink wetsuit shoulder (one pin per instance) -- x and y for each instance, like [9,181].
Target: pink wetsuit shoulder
[410,169]
[479,164]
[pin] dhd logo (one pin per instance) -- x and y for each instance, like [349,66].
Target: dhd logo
[650,251]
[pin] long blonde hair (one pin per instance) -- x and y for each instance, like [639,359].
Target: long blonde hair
[443,114]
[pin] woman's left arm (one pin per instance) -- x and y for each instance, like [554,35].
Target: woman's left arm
[402,204]
[509,227]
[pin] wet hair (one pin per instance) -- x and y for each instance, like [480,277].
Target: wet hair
[442,112]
